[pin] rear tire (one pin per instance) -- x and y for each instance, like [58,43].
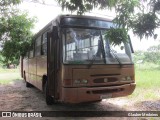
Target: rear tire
[49,99]
[28,85]
[24,76]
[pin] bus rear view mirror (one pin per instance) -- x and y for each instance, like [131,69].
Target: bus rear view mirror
[130,43]
[55,32]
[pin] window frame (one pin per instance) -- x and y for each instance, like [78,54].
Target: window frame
[29,56]
[38,42]
[44,44]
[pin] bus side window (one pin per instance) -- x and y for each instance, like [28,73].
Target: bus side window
[26,55]
[31,54]
[38,46]
[44,44]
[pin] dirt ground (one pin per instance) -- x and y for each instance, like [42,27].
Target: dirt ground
[16,97]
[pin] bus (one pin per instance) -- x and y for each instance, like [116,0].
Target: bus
[72,61]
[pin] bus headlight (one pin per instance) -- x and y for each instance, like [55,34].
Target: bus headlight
[83,81]
[123,79]
[77,81]
[127,78]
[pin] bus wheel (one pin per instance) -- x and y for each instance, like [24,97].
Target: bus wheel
[49,99]
[24,76]
[28,84]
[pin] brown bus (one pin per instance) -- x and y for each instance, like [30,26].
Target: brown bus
[72,61]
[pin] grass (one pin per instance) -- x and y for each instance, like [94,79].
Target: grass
[147,66]
[147,85]
[7,76]
[147,80]
[8,70]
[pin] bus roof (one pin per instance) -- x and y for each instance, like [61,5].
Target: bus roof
[83,16]
[59,17]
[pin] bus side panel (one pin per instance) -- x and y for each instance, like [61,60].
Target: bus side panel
[32,71]
[41,70]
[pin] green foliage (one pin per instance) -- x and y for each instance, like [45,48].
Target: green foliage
[7,7]
[138,56]
[145,24]
[125,13]
[130,13]
[9,2]
[147,66]
[15,31]
[147,85]
[155,5]
[117,36]
[145,78]
[152,55]
[17,35]
[12,76]
[1,58]
[155,48]
[77,5]
[82,6]
[16,27]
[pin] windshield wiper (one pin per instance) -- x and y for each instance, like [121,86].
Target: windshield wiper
[116,57]
[94,57]
[92,61]
[99,51]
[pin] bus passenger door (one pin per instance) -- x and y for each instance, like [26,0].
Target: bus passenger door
[52,62]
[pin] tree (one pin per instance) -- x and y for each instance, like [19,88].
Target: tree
[17,35]
[7,10]
[130,14]
[153,54]
[15,31]
[139,56]
[7,7]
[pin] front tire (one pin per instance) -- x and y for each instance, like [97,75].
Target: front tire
[49,99]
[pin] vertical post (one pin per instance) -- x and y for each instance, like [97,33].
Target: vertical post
[21,66]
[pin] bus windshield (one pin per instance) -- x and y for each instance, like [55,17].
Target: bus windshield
[85,46]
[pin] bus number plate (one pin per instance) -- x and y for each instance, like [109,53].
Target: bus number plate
[106,96]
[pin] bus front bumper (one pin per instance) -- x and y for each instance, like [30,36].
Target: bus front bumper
[88,94]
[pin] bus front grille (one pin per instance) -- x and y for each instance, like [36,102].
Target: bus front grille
[105,91]
[104,80]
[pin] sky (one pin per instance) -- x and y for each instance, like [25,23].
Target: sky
[46,13]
